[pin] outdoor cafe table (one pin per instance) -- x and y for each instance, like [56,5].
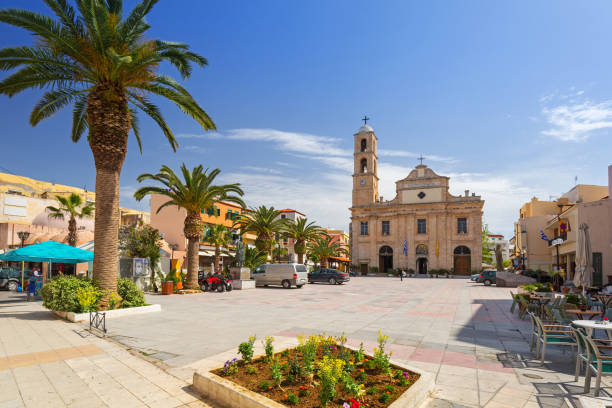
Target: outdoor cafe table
[589,325]
[541,301]
[581,313]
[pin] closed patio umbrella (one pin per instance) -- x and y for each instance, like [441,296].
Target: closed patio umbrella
[584,270]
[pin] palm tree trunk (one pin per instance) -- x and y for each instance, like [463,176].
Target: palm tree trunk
[324,262]
[217,260]
[193,263]
[72,232]
[194,227]
[109,121]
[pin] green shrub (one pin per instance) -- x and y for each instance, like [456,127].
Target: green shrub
[390,388]
[403,382]
[381,358]
[129,292]
[268,347]
[372,390]
[265,385]
[61,294]
[276,372]
[251,370]
[384,398]
[292,399]
[361,377]
[246,349]
[303,393]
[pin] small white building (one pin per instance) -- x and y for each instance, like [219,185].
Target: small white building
[495,239]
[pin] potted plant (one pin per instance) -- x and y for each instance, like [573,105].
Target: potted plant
[168,283]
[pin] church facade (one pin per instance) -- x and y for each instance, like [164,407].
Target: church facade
[423,228]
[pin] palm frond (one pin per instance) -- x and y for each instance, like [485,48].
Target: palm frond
[79,118]
[51,102]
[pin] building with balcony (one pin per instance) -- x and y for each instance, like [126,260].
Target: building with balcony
[582,204]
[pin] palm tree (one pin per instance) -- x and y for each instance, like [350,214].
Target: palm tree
[254,257]
[323,246]
[73,207]
[104,63]
[220,237]
[195,193]
[265,222]
[302,232]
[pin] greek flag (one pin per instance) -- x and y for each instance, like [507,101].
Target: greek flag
[543,236]
[405,247]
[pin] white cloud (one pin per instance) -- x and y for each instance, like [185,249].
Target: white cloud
[404,153]
[291,141]
[575,118]
[194,148]
[261,169]
[207,135]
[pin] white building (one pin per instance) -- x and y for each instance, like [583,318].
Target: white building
[495,239]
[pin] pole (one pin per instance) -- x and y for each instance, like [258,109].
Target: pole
[558,258]
[22,268]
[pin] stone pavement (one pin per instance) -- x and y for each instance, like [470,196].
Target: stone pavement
[46,362]
[461,331]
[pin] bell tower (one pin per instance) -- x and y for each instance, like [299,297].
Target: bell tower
[365,172]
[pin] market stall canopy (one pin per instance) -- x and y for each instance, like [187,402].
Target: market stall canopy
[49,251]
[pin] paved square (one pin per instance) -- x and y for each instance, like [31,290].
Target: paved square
[459,330]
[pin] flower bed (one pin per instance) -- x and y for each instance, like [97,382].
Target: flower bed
[320,371]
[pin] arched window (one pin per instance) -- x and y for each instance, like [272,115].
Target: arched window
[364,165]
[421,249]
[364,145]
[462,250]
[385,250]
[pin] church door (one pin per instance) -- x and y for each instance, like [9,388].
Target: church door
[385,262]
[463,264]
[422,266]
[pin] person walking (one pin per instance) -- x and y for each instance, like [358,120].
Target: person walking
[401,274]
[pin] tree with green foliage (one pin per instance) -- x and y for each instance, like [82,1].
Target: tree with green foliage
[71,206]
[219,236]
[487,254]
[253,257]
[106,65]
[141,242]
[323,246]
[195,193]
[265,222]
[302,232]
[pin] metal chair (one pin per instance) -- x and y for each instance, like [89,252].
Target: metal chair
[582,353]
[514,302]
[597,363]
[526,307]
[553,334]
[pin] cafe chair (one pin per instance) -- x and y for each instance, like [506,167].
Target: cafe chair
[553,334]
[514,302]
[596,363]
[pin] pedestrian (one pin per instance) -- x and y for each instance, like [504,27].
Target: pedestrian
[31,289]
[401,275]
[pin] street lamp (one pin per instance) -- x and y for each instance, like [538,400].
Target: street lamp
[23,235]
[173,247]
[523,252]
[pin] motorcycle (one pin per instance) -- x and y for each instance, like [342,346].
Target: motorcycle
[215,282]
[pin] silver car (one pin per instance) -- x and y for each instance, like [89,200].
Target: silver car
[285,275]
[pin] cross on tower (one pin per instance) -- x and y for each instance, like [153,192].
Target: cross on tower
[365,119]
[421,159]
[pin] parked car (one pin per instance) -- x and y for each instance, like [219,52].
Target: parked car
[474,277]
[286,275]
[333,276]
[10,278]
[487,277]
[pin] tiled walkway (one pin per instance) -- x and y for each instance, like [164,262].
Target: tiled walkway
[46,362]
[460,331]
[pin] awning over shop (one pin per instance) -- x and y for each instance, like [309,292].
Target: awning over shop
[339,259]
[210,253]
[49,251]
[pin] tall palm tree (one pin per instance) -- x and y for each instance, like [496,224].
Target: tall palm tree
[219,236]
[195,193]
[253,257]
[104,63]
[71,206]
[301,231]
[323,246]
[265,222]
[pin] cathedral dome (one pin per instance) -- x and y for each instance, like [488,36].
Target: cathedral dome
[365,129]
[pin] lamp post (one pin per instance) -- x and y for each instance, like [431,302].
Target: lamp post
[173,247]
[523,252]
[23,235]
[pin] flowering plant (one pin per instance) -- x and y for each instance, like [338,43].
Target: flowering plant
[230,367]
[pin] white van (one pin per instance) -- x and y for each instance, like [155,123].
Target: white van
[286,275]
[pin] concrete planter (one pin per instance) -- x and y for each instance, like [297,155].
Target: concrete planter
[226,393]
[110,314]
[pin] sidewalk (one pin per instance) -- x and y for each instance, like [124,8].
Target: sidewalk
[46,362]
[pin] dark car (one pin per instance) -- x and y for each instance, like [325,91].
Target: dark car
[10,278]
[333,276]
[487,277]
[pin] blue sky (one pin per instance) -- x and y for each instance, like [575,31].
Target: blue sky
[510,98]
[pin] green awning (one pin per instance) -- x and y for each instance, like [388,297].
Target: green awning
[49,251]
